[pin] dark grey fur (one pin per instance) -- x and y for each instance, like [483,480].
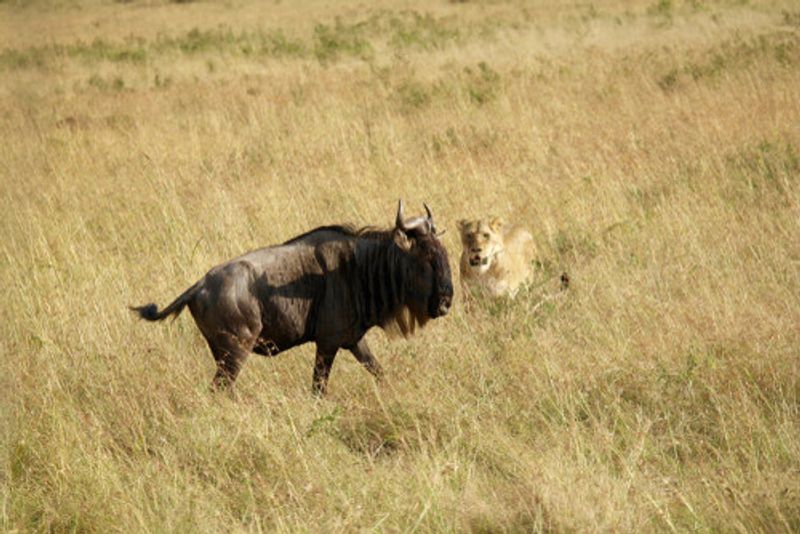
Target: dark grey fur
[329,286]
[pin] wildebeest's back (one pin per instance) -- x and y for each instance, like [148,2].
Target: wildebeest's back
[295,283]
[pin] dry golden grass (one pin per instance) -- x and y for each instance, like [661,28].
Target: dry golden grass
[652,147]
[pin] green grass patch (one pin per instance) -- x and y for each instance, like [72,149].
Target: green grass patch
[422,31]
[735,55]
[341,39]
[482,83]
[328,42]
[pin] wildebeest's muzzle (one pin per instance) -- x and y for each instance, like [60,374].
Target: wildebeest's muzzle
[442,306]
[442,295]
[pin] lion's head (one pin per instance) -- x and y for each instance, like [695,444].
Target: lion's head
[481,241]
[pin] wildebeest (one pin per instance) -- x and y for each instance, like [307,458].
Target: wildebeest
[329,286]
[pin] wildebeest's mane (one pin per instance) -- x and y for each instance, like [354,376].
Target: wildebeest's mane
[385,285]
[349,230]
[382,279]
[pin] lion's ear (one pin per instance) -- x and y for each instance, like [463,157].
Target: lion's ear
[497,224]
[462,225]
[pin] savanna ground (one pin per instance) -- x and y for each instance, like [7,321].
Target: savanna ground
[652,147]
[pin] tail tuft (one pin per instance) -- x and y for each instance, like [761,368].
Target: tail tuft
[148,311]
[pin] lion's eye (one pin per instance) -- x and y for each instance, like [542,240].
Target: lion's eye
[486,236]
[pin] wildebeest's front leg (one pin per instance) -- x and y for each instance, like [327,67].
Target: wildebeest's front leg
[322,368]
[362,353]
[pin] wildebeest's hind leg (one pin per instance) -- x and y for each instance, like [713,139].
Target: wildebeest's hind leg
[322,369]
[230,354]
[362,353]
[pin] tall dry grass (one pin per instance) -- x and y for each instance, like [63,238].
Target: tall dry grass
[653,149]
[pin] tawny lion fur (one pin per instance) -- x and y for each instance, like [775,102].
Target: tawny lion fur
[495,258]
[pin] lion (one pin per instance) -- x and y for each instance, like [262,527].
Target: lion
[494,258]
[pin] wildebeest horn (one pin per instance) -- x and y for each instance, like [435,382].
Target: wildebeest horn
[413,224]
[430,217]
[399,223]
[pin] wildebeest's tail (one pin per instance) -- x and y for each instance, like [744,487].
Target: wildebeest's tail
[151,313]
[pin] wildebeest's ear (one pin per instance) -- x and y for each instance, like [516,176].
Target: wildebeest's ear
[496,224]
[401,239]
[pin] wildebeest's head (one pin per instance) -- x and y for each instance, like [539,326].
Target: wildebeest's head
[432,286]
